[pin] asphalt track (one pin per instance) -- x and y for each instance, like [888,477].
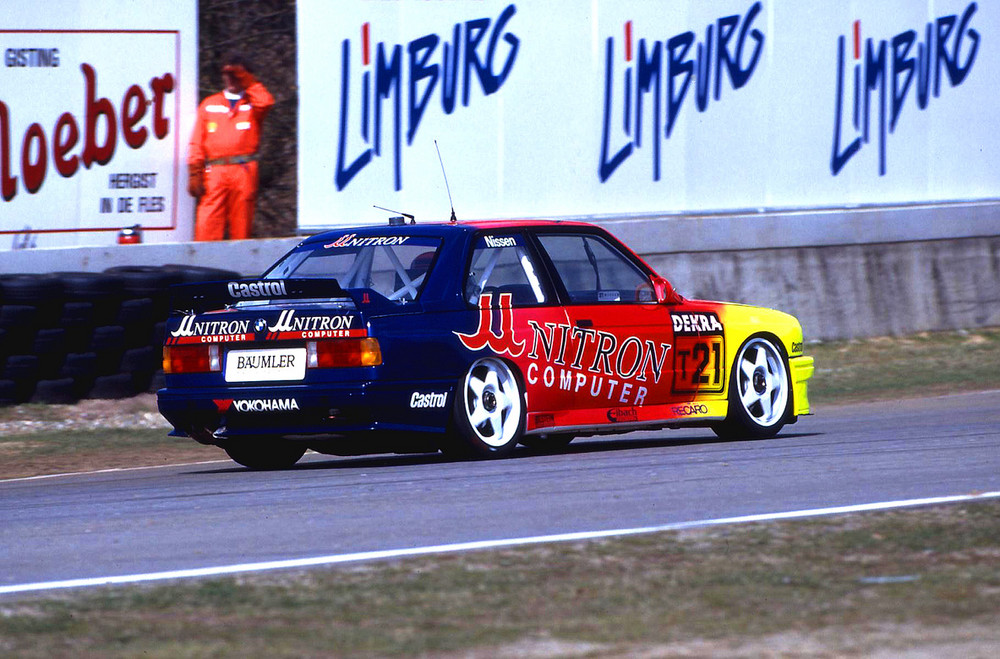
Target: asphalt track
[166,519]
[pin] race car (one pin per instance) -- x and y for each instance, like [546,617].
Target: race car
[469,338]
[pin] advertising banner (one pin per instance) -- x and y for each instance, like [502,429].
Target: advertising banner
[97,101]
[555,108]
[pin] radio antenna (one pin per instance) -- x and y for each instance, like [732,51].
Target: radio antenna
[446,186]
[412,219]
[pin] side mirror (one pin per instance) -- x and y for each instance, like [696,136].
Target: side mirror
[665,293]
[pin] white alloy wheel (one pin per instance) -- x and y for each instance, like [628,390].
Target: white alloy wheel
[762,381]
[492,405]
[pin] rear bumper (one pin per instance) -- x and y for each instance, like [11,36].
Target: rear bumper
[802,369]
[212,415]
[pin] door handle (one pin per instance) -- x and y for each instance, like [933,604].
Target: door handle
[584,322]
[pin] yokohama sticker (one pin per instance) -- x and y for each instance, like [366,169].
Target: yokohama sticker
[266,405]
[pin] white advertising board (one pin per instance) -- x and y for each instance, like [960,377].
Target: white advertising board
[558,108]
[97,101]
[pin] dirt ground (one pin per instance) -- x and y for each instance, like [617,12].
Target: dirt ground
[899,641]
[131,413]
[92,435]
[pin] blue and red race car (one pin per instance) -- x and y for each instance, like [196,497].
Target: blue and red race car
[468,338]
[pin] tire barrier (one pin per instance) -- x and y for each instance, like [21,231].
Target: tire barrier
[65,336]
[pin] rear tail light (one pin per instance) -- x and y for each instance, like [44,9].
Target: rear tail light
[335,353]
[338,353]
[192,359]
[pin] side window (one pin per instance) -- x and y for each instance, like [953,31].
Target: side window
[594,271]
[501,264]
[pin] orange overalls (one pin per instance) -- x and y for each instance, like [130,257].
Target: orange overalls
[224,143]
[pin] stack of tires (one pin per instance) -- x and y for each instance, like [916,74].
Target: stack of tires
[71,335]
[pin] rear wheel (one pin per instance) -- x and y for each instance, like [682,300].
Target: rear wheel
[489,411]
[264,453]
[759,392]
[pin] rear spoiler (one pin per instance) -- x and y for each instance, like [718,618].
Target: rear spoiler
[206,296]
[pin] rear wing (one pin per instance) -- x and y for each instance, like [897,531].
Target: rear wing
[207,296]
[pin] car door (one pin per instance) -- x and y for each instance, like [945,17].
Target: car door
[517,310]
[616,351]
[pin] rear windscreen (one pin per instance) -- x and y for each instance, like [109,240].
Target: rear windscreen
[393,266]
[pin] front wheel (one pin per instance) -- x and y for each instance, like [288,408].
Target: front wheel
[759,392]
[264,453]
[488,412]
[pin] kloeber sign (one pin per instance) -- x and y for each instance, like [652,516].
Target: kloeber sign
[96,104]
[561,107]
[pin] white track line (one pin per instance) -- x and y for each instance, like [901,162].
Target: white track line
[334,559]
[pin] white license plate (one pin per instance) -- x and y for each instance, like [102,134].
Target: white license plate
[281,364]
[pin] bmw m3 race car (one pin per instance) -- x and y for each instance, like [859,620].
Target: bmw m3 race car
[468,338]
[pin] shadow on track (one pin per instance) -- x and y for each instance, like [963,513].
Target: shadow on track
[581,446]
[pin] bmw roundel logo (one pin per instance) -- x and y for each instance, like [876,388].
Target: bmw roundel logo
[260,325]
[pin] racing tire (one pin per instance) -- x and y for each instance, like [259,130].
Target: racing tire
[148,281]
[103,290]
[489,411]
[139,359]
[112,387]
[19,325]
[265,453]
[50,348]
[44,292]
[18,315]
[8,391]
[192,274]
[135,311]
[108,342]
[82,369]
[56,392]
[760,392]
[22,370]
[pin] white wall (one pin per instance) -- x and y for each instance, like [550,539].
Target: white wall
[532,139]
[126,45]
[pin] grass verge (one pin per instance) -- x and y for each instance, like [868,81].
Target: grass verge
[858,585]
[889,368]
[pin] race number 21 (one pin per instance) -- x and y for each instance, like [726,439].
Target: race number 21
[699,364]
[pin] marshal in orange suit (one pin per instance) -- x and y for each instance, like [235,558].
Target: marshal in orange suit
[222,154]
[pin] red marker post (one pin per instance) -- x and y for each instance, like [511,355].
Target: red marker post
[130,235]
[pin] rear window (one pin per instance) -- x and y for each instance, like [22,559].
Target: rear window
[393,266]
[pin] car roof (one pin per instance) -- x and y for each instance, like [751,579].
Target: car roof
[441,229]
